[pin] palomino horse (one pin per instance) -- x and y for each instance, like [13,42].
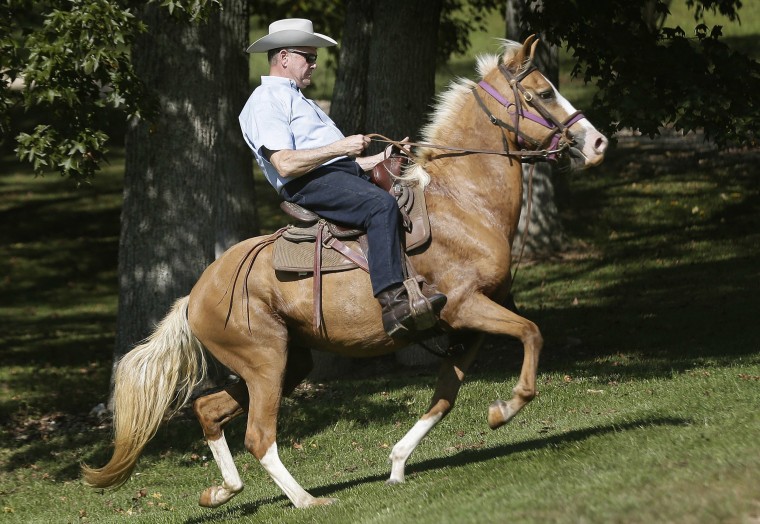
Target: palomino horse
[258,322]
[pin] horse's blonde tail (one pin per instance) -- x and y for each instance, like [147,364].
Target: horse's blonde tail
[152,381]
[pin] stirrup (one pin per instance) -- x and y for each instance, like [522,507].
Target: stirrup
[423,313]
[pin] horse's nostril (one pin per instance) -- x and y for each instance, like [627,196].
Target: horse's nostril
[600,146]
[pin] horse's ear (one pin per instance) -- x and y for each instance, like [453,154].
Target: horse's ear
[516,60]
[529,49]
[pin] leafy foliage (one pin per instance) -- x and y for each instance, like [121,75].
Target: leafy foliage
[459,19]
[69,63]
[654,76]
[72,61]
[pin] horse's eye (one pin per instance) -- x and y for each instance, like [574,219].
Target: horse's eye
[546,95]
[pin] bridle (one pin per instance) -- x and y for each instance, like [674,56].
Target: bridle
[559,139]
[552,147]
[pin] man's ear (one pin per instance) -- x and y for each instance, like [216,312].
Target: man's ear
[283,55]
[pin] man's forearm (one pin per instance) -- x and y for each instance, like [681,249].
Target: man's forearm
[294,163]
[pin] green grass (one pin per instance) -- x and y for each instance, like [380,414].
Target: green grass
[649,381]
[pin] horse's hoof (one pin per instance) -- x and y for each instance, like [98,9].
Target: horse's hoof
[499,414]
[393,482]
[215,496]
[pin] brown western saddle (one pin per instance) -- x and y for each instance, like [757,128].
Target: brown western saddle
[316,246]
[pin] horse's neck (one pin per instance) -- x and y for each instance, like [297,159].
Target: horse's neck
[485,190]
[470,191]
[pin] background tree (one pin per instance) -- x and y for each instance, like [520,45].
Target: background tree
[402,60]
[71,64]
[541,233]
[630,54]
[687,79]
[179,73]
[349,102]
[188,184]
[401,84]
[235,213]
[381,42]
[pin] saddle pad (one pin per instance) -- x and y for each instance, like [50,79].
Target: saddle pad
[294,250]
[298,257]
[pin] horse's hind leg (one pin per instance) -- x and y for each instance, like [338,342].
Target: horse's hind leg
[450,377]
[215,410]
[265,385]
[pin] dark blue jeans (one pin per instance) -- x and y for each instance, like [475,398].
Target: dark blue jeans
[341,192]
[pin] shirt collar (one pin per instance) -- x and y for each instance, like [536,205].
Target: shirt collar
[279,80]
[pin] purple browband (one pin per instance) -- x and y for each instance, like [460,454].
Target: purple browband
[526,114]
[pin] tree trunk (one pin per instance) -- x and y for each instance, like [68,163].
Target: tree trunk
[402,57]
[545,235]
[234,204]
[348,108]
[401,86]
[384,84]
[187,176]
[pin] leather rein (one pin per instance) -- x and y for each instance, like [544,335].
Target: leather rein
[558,141]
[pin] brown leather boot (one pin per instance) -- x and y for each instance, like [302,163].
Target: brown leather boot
[398,317]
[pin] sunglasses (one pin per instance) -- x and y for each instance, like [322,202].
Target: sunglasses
[310,58]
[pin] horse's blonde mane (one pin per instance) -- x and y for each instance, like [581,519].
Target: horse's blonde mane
[446,111]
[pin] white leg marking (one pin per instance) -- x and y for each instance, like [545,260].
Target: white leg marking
[232,485]
[404,447]
[282,477]
[223,457]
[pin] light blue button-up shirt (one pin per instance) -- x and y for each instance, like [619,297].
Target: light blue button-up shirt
[277,116]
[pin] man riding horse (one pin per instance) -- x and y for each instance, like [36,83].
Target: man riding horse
[311,163]
[257,322]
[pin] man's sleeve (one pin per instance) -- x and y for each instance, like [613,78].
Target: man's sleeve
[266,124]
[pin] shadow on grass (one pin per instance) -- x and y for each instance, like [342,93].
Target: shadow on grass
[673,284]
[655,323]
[298,418]
[631,337]
[462,459]
[662,320]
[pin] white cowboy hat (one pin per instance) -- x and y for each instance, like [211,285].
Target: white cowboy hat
[290,32]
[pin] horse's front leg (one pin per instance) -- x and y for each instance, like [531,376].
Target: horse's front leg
[450,377]
[482,314]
